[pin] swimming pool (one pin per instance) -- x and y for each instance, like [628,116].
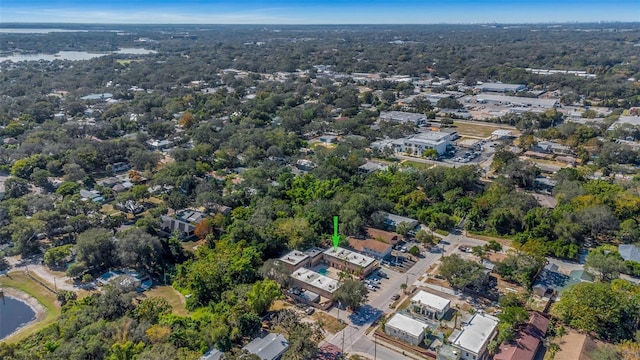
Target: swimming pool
[324,272]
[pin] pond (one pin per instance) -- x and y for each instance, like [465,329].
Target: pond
[14,314]
[73,55]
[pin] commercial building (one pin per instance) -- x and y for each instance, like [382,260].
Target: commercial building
[406,329]
[517,101]
[630,120]
[349,261]
[295,259]
[319,284]
[429,305]
[270,347]
[371,247]
[416,144]
[403,117]
[500,87]
[472,341]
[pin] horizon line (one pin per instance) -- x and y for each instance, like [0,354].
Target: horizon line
[332,24]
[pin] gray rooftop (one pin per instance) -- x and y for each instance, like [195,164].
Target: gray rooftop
[213,354]
[631,120]
[516,100]
[402,116]
[316,280]
[294,257]
[488,86]
[269,347]
[350,256]
[629,252]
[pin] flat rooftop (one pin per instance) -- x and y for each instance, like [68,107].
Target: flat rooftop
[477,333]
[431,136]
[294,257]
[431,300]
[406,324]
[316,280]
[350,256]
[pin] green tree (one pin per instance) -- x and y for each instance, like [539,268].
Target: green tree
[351,293]
[150,309]
[262,295]
[96,249]
[462,273]
[608,310]
[607,264]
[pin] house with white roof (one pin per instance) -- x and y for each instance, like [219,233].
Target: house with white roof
[429,305]
[406,329]
[472,341]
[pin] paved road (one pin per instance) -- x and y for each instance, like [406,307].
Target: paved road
[34,265]
[354,337]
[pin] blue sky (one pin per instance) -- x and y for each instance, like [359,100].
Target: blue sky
[317,12]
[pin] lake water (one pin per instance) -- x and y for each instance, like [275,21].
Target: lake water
[73,55]
[13,314]
[35,31]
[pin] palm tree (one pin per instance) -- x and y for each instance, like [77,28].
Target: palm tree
[403,287]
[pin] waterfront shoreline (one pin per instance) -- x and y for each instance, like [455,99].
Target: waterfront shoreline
[39,310]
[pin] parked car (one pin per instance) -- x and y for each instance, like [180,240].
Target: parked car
[310,310]
[395,297]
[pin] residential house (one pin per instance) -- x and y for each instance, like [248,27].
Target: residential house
[391,221]
[120,167]
[406,329]
[328,139]
[369,167]
[371,247]
[551,147]
[429,305]
[92,195]
[472,341]
[184,223]
[527,341]
[269,347]
[386,236]
[629,252]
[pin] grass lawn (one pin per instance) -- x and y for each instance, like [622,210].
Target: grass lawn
[109,210]
[154,200]
[46,298]
[280,305]
[329,323]
[190,246]
[479,129]
[504,241]
[175,299]
[416,165]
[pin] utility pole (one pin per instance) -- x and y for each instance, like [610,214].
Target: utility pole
[375,346]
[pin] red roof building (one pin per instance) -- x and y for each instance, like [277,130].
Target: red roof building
[527,340]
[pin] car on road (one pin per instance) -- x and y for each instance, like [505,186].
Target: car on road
[403,249]
[465,249]
[395,297]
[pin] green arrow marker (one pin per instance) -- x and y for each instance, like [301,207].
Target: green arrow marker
[335,237]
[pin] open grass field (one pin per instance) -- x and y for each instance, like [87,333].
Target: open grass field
[175,299]
[19,280]
[480,129]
